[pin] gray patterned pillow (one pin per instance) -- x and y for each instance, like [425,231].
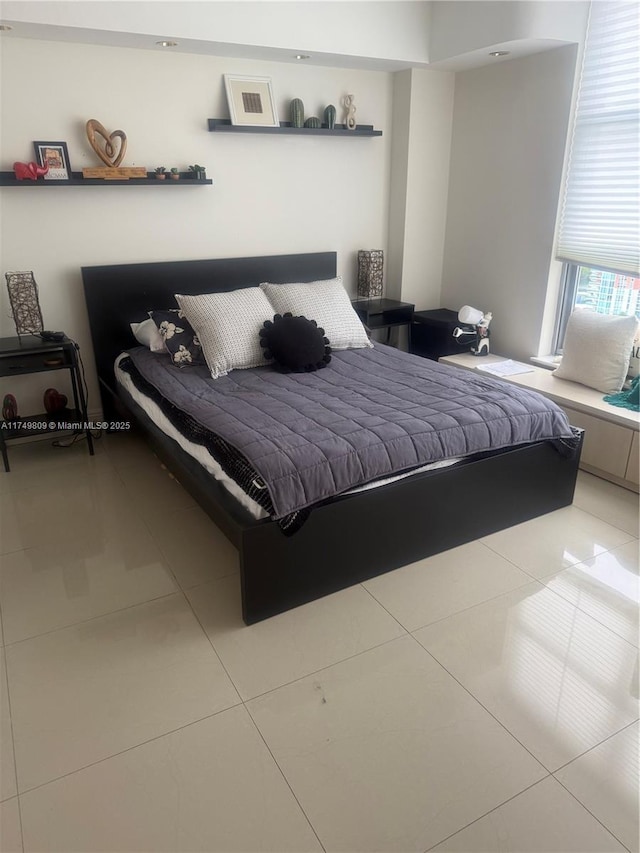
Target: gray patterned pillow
[329,305]
[227,325]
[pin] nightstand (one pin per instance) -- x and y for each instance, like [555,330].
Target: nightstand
[30,354]
[432,334]
[384,313]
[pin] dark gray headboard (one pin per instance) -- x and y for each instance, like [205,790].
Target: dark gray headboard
[124,293]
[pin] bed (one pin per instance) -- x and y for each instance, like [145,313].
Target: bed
[347,538]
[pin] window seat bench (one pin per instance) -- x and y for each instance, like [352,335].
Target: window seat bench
[610,447]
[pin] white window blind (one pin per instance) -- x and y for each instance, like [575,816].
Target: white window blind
[599,226]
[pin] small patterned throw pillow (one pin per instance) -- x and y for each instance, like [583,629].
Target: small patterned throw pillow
[179,338]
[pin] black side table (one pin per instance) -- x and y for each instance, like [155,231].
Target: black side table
[30,354]
[432,334]
[384,313]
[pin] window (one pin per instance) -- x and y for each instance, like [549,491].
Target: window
[598,290]
[599,232]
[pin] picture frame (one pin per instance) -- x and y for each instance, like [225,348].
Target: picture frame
[56,156]
[251,101]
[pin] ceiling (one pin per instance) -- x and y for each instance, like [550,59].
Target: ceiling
[387,35]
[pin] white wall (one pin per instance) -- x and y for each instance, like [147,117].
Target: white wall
[422,123]
[272,194]
[509,133]
[399,183]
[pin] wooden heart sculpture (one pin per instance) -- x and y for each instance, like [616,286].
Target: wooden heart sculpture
[106,150]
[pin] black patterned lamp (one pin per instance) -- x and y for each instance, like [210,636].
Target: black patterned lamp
[370,267]
[25,305]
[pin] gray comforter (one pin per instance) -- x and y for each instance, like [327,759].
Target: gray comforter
[369,414]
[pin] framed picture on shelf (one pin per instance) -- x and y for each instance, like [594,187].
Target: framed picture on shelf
[251,101]
[56,157]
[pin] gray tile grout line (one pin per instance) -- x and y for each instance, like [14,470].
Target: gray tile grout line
[213,648]
[548,773]
[606,521]
[327,666]
[562,568]
[552,775]
[475,698]
[541,581]
[238,704]
[126,749]
[594,619]
[2,625]
[282,773]
[603,825]
[13,743]
[495,808]
[515,796]
[457,612]
[542,586]
[591,748]
[479,604]
[92,619]
[582,754]
[248,712]
[409,634]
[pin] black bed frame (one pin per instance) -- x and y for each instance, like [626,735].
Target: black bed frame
[347,539]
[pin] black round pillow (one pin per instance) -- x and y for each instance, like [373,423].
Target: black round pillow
[295,344]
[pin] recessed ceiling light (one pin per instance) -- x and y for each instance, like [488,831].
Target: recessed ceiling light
[5,28]
[167,43]
[303,56]
[500,53]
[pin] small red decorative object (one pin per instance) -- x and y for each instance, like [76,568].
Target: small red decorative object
[54,401]
[9,408]
[29,171]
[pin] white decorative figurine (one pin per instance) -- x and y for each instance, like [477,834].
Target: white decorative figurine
[350,119]
[476,325]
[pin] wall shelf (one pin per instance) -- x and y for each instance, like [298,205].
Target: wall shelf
[223,125]
[8,179]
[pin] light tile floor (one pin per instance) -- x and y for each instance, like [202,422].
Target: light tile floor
[485,699]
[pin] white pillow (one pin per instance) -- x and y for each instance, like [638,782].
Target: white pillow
[228,326]
[634,361]
[147,334]
[596,350]
[326,302]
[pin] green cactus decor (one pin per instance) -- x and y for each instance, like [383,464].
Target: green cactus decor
[313,121]
[330,116]
[297,113]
